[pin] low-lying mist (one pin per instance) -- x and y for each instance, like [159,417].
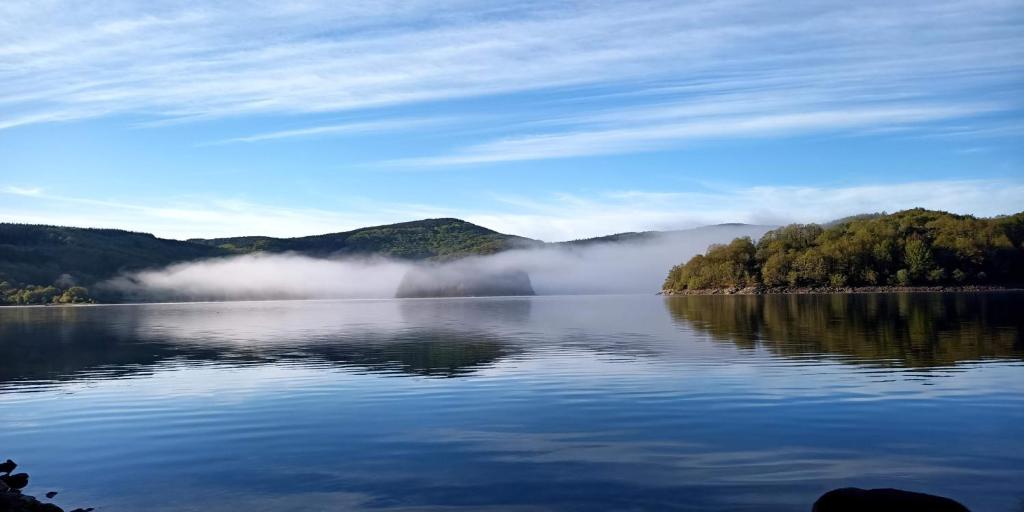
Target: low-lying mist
[637,266]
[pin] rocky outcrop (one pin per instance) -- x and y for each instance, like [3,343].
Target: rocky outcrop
[13,500]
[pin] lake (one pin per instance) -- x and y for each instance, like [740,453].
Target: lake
[574,403]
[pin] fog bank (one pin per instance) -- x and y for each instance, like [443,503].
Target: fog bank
[633,266]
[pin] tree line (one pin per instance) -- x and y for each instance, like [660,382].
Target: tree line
[908,248]
[32,294]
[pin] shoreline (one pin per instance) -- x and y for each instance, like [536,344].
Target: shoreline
[811,290]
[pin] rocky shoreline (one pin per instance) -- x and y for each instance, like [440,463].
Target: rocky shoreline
[13,500]
[807,290]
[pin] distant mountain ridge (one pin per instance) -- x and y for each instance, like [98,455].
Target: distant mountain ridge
[443,238]
[39,262]
[639,236]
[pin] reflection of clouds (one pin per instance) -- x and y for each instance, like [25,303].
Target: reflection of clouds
[253,323]
[569,402]
[668,463]
[568,342]
[255,501]
[301,322]
[306,501]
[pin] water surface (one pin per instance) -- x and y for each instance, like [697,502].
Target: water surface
[541,403]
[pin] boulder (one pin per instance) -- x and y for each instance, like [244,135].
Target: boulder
[852,499]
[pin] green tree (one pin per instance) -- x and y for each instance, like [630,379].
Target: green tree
[918,258]
[905,248]
[74,295]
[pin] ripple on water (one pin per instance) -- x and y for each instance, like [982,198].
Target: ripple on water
[555,403]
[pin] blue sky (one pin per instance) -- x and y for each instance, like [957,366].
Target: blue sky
[554,120]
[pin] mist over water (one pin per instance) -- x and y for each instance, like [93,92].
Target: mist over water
[265,276]
[635,266]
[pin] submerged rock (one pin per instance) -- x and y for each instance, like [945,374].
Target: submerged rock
[463,281]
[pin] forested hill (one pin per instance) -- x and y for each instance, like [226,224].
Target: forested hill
[908,248]
[423,239]
[41,264]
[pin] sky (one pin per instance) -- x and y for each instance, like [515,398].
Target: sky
[553,120]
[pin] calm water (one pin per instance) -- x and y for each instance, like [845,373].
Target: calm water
[545,403]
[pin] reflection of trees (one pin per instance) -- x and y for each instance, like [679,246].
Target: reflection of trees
[45,344]
[431,354]
[915,330]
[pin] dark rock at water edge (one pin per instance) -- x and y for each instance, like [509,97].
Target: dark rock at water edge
[16,481]
[463,281]
[852,499]
[13,500]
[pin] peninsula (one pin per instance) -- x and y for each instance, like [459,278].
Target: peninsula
[911,250]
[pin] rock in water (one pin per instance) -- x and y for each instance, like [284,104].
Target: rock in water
[16,481]
[852,499]
[455,280]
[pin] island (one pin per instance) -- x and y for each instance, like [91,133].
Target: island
[915,249]
[452,281]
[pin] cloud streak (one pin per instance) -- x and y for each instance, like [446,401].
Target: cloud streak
[391,125]
[690,71]
[644,136]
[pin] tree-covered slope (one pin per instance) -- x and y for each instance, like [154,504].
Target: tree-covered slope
[423,239]
[41,264]
[912,247]
[34,254]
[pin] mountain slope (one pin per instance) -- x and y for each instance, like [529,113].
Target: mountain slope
[437,239]
[38,264]
[41,255]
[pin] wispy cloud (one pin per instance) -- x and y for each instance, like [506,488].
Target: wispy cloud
[550,217]
[567,216]
[23,191]
[391,125]
[734,68]
[634,136]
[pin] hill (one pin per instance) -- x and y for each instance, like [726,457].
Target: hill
[436,239]
[38,263]
[909,248]
[44,264]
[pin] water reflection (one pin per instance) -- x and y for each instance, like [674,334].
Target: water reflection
[913,330]
[560,403]
[427,338]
